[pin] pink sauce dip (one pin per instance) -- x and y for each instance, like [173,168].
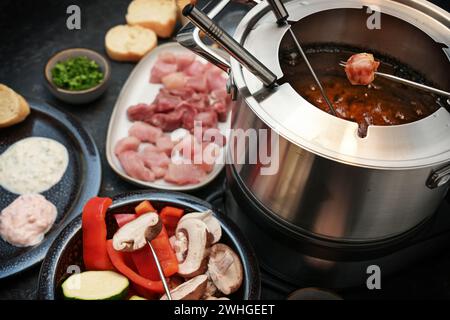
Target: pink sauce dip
[26,220]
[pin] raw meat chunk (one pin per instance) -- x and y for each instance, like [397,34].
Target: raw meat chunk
[360,68]
[145,132]
[127,144]
[160,70]
[165,144]
[134,166]
[141,112]
[182,174]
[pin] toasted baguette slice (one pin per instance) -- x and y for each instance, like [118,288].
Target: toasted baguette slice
[157,15]
[13,107]
[129,43]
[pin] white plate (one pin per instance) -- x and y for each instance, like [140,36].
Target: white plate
[138,89]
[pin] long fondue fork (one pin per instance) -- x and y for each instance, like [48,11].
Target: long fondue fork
[282,15]
[160,271]
[408,82]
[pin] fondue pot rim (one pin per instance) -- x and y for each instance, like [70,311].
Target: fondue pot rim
[434,140]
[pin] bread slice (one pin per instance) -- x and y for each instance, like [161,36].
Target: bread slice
[13,107]
[157,15]
[129,43]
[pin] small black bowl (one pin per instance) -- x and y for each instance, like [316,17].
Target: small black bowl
[65,255]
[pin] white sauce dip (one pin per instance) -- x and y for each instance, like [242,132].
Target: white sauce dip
[25,221]
[33,165]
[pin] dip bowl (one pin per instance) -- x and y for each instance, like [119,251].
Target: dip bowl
[77,96]
[65,256]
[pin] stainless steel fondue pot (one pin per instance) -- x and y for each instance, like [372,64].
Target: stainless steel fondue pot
[331,183]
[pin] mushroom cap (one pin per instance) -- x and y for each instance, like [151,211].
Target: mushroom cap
[189,290]
[135,234]
[197,234]
[225,268]
[213,225]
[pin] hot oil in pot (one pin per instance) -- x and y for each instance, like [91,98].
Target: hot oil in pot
[382,103]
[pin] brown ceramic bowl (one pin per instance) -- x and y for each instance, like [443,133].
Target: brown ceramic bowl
[80,96]
[66,253]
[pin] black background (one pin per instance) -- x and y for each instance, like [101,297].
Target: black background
[32,31]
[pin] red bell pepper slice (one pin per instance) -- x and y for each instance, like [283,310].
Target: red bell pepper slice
[144,207]
[118,260]
[170,216]
[95,255]
[166,255]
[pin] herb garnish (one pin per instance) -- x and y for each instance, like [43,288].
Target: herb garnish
[79,73]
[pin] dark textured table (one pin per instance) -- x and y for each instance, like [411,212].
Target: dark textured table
[31,31]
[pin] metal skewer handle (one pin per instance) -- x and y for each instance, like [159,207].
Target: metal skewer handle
[279,10]
[281,14]
[160,271]
[204,23]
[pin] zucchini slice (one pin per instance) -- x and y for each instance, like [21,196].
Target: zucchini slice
[137,298]
[95,285]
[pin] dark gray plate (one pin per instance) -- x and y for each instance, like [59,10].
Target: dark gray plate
[80,182]
[67,250]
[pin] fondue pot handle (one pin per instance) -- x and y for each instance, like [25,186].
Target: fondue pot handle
[439,177]
[192,41]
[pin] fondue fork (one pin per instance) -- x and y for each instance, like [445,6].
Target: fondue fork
[282,15]
[160,271]
[245,58]
[407,82]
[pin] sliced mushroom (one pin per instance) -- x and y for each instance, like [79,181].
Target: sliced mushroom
[196,234]
[225,268]
[213,225]
[180,246]
[190,290]
[133,236]
[211,289]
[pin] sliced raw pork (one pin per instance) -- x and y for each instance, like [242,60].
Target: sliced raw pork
[183,93]
[167,121]
[145,132]
[141,112]
[166,102]
[207,119]
[184,60]
[195,68]
[215,79]
[152,157]
[162,69]
[167,57]
[134,166]
[176,80]
[188,113]
[182,174]
[159,172]
[197,83]
[127,144]
[165,144]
